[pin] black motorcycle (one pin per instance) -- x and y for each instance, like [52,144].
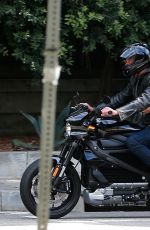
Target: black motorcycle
[110,174]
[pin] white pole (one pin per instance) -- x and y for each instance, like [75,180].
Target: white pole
[51,72]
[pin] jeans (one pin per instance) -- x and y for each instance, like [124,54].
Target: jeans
[139,145]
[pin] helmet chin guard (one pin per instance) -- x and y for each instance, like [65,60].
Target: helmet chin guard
[135,68]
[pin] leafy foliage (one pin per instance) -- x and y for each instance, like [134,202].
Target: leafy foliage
[86,25]
[98,22]
[18,144]
[112,24]
[23,24]
[59,125]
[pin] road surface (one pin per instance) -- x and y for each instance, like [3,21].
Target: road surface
[84,221]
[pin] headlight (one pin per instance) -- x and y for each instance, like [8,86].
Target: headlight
[68,129]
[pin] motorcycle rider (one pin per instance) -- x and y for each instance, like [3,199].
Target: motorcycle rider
[132,103]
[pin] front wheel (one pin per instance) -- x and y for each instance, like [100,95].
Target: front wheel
[62,201]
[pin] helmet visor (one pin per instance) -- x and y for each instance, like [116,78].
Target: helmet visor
[135,50]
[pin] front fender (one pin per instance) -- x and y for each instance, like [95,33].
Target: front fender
[56,159]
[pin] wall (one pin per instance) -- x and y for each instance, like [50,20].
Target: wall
[18,95]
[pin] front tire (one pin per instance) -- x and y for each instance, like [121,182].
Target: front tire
[61,202]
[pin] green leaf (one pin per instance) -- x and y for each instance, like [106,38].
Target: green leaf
[59,125]
[34,121]
[21,144]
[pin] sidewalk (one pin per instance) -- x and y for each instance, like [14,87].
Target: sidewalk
[12,166]
[10,196]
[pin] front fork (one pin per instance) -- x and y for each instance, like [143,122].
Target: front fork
[66,155]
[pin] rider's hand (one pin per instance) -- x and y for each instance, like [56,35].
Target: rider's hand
[147,110]
[107,112]
[90,108]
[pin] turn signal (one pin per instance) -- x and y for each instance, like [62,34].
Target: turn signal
[91,127]
[55,172]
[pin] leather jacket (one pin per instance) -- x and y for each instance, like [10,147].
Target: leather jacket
[133,99]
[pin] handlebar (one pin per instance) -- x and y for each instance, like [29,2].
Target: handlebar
[79,107]
[84,108]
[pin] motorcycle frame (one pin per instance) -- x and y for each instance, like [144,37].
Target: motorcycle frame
[73,141]
[105,155]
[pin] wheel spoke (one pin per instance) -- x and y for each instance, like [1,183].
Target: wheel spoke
[59,197]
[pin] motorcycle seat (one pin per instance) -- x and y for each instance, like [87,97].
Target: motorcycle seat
[116,141]
[110,126]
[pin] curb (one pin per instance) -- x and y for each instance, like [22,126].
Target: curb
[12,166]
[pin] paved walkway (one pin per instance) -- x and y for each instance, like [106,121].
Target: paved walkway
[12,166]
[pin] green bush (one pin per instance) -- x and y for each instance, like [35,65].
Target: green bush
[86,25]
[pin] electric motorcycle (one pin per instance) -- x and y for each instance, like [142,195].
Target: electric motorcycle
[110,174]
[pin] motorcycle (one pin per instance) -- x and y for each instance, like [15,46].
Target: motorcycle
[110,175]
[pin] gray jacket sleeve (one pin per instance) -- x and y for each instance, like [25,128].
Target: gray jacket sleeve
[137,105]
[137,119]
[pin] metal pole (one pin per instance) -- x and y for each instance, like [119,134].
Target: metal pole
[51,72]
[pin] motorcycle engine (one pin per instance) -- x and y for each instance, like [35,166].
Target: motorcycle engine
[118,194]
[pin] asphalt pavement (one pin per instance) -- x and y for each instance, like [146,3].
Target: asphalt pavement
[85,221]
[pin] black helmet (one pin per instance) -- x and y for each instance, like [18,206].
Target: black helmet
[142,58]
